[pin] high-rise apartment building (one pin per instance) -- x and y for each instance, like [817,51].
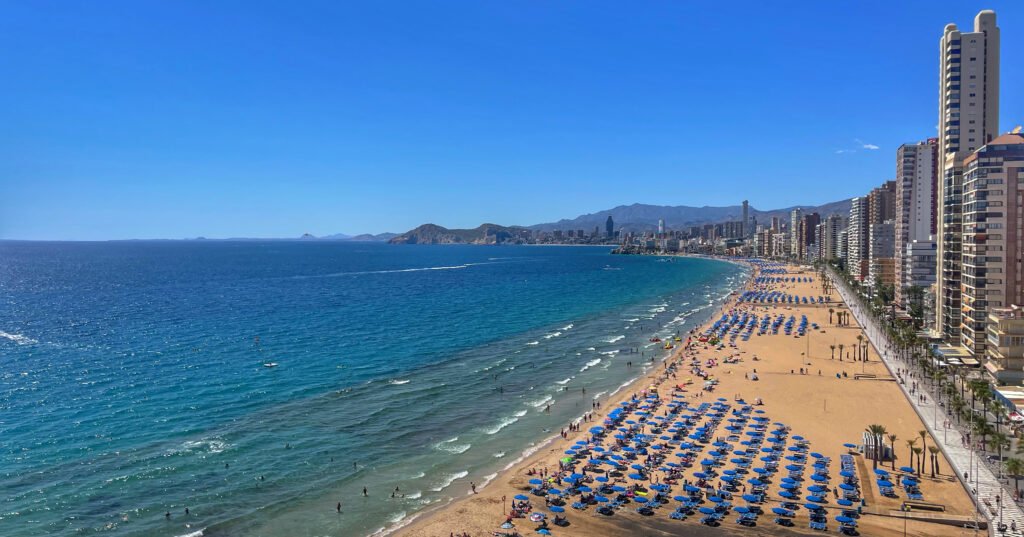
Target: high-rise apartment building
[857,238]
[882,203]
[991,243]
[830,230]
[807,238]
[881,254]
[968,119]
[795,217]
[916,176]
[745,227]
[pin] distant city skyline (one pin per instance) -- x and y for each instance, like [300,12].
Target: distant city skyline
[181,120]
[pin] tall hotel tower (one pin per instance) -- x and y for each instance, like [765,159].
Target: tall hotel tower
[968,119]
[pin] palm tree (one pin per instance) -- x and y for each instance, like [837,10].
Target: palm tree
[998,442]
[833,347]
[841,346]
[830,312]
[911,444]
[877,432]
[924,446]
[860,338]
[934,451]
[920,458]
[892,442]
[1015,468]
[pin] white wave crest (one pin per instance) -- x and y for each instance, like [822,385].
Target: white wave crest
[449,479]
[591,363]
[504,422]
[534,343]
[553,334]
[563,382]
[18,338]
[398,382]
[568,326]
[541,402]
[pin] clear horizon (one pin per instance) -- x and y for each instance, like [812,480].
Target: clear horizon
[130,121]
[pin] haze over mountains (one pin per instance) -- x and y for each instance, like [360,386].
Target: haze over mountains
[636,218]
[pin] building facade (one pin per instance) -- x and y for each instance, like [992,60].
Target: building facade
[991,242]
[968,118]
[916,176]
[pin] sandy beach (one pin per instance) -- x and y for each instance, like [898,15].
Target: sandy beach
[827,404]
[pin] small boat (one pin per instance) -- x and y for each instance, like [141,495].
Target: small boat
[655,339]
[270,364]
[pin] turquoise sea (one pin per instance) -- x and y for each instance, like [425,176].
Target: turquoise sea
[133,379]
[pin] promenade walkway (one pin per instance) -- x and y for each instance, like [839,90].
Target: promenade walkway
[981,483]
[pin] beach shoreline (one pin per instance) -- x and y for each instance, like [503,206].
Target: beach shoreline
[412,524]
[478,513]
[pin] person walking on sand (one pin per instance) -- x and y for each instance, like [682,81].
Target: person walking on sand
[339,508]
[364,492]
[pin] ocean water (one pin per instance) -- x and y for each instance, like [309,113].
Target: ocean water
[132,377]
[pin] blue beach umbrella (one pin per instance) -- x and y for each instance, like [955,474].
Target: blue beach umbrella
[847,486]
[845,520]
[635,476]
[700,475]
[846,473]
[521,497]
[844,502]
[789,486]
[585,489]
[817,499]
[782,512]
[556,509]
[817,488]
[850,446]
[750,498]
[618,488]
[755,482]
[906,469]
[787,495]
[601,499]
[706,510]
[813,507]
[691,488]
[680,498]
[536,482]
[819,477]
[884,483]
[742,510]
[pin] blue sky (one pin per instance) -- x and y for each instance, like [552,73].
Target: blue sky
[181,119]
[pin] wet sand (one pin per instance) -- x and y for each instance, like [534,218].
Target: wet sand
[826,410]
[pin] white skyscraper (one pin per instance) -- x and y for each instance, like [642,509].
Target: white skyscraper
[968,119]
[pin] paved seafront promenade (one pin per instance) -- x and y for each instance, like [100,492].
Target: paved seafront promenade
[982,484]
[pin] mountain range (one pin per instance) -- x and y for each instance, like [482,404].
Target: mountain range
[637,217]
